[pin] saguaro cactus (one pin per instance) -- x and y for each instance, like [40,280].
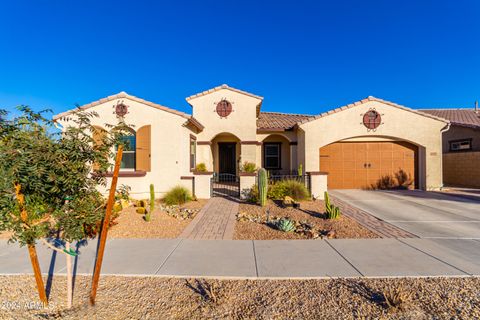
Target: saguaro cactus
[262,186]
[300,170]
[152,203]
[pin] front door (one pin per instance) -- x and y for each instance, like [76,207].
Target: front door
[227,158]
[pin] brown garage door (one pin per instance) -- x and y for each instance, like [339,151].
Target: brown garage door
[361,165]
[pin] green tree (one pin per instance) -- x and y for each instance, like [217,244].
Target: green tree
[48,185]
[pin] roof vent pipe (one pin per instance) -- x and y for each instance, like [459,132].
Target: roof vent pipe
[476,106]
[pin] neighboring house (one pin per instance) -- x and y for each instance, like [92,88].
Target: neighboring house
[461,146]
[353,146]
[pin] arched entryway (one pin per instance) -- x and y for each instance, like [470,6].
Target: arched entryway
[226,153]
[381,164]
[226,163]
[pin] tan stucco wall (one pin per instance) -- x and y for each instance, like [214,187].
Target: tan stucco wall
[462,169]
[457,132]
[169,145]
[241,123]
[398,123]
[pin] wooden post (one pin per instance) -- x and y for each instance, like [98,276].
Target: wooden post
[69,276]
[31,248]
[104,230]
[38,274]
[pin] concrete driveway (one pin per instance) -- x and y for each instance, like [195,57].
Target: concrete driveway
[425,214]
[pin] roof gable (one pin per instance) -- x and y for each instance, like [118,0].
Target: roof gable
[368,99]
[124,95]
[223,86]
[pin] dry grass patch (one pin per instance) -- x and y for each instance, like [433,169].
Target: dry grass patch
[311,212]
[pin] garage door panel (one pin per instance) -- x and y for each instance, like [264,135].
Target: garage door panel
[349,165]
[358,165]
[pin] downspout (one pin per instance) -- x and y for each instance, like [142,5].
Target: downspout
[444,129]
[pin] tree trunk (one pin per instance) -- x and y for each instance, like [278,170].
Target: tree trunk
[69,276]
[38,274]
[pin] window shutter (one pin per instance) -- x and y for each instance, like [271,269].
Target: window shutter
[143,148]
[98,135]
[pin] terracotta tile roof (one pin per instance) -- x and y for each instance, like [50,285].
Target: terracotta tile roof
[125,95]
[274,121]
[223,86]
[461,117]
[370,98]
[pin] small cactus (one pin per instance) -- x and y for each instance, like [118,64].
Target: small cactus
[332,211]
[141,204]
[285,225]
[262,186]
[141,210]
[152,203]
[300,170]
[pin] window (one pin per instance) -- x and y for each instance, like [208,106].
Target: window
[271,155]
[461,145]
[129,151]
[193,152]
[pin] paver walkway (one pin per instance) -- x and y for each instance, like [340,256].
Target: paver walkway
[215,221]
[377,226]
[275,259]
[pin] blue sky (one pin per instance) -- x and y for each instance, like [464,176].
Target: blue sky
[302,56]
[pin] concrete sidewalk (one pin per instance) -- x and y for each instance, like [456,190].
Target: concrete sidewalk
[263,259]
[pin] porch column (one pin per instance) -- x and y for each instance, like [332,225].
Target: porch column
[293,156]
[318,184]
[248,151]
[204,154]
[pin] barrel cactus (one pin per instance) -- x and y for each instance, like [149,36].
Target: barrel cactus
[285,225]
[262,186]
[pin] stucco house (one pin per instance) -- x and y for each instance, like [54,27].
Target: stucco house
[352,146]
[461,146]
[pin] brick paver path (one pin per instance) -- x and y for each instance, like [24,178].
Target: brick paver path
[377,226]
[216,220]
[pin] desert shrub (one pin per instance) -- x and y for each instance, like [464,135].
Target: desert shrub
[248,167]
[404,179]
[201,167]
[292,188]
[123,192]
[397,298]
[384,183]
[177,196]
[251,195]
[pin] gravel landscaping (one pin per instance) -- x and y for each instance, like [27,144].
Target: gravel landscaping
[251,223]
[166,298]
[131,224]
